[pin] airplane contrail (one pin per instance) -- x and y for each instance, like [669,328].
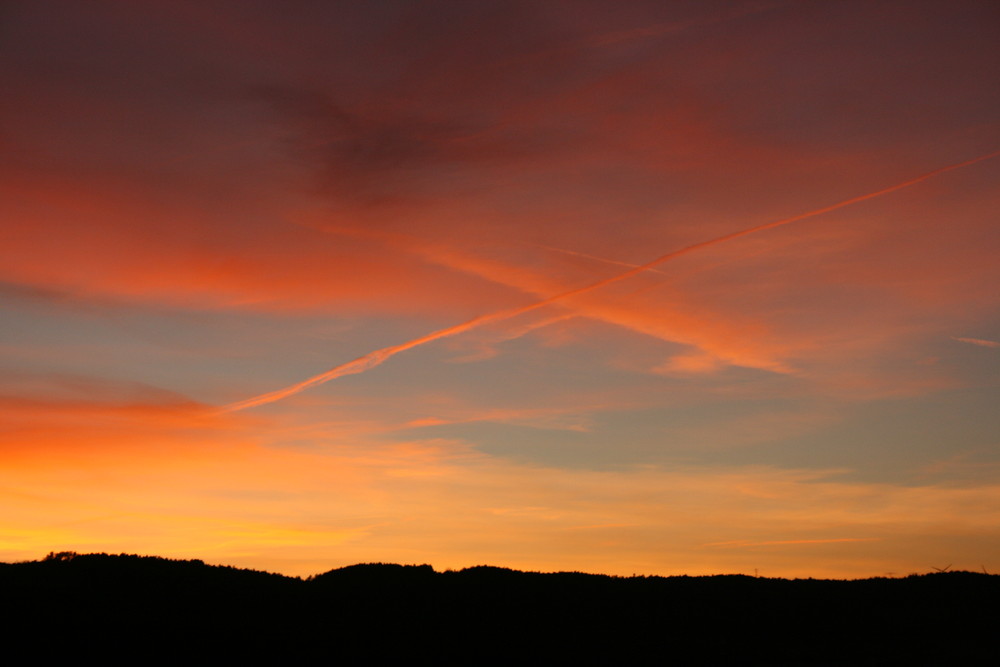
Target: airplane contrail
[378,357]
[574,253]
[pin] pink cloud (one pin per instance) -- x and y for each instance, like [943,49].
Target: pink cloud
[979,341]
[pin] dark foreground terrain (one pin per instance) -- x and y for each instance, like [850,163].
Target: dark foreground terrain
[147,610]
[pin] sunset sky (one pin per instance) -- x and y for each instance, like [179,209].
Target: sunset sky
[296,285]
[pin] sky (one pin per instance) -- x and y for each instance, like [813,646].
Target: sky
[630,288]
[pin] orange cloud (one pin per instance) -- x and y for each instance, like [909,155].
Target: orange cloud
[557,418]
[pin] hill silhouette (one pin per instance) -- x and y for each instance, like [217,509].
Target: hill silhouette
[129,608]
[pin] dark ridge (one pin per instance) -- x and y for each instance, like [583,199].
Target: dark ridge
[141,609]
[375,572]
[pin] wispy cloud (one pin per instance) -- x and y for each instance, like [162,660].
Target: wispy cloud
[603,260]
[977,341]
[487,349]
[557,418]
[666,28]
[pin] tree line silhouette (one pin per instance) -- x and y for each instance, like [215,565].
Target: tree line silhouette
[130,608]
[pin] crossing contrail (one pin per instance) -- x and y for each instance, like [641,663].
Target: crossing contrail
[574,253]
[378,357]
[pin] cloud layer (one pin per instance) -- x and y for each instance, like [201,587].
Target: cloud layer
[710,286]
